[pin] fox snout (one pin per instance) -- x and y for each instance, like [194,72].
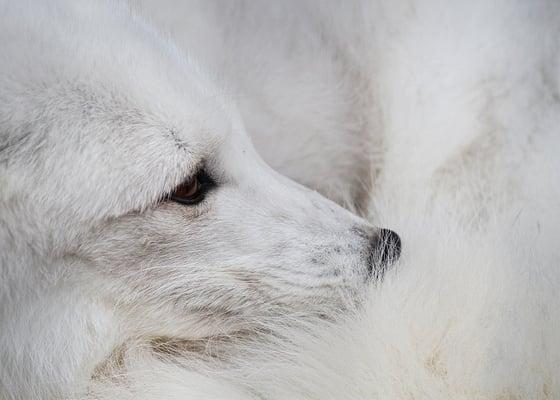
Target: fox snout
[384,251]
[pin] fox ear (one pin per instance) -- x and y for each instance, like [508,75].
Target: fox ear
[8,146]
[12,145]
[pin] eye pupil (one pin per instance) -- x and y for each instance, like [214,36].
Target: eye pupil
[192,191]
[188,189]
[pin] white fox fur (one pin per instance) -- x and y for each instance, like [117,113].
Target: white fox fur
[456,108]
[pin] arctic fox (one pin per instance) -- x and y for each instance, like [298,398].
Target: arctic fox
[134,208]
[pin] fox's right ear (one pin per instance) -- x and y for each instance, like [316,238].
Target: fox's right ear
[12,146]
[5,146]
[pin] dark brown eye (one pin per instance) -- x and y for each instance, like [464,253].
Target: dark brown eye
[193,190]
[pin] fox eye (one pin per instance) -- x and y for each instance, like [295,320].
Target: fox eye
[193,190]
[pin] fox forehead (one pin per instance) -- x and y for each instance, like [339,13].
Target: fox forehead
[125,129]
[73,76]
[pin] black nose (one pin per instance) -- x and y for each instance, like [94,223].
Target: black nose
[385,249]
